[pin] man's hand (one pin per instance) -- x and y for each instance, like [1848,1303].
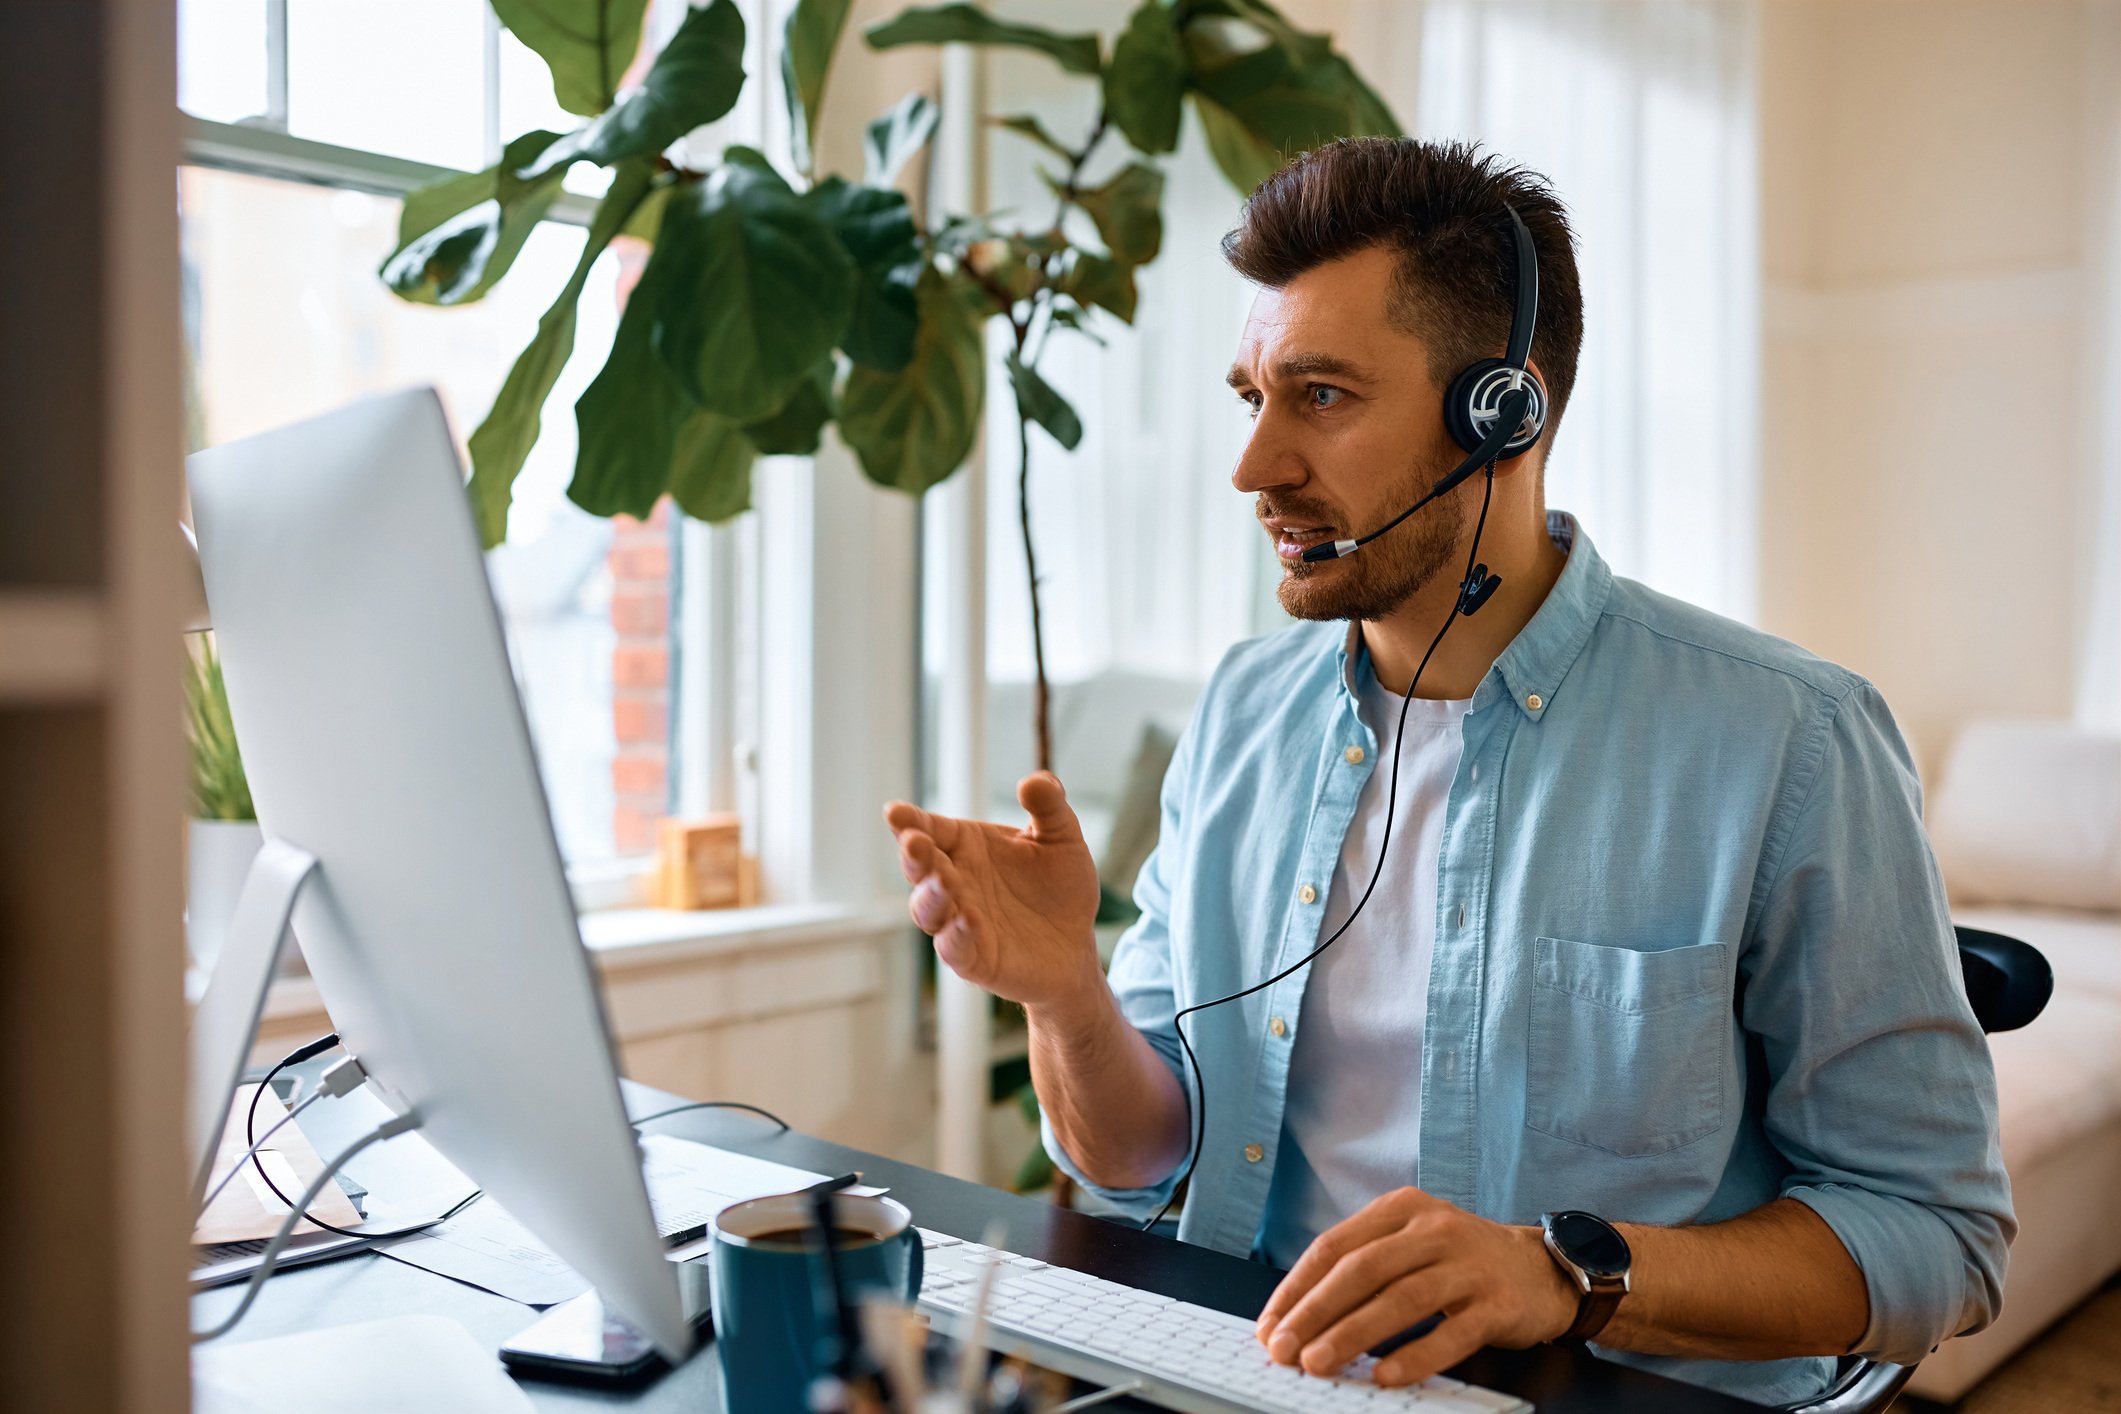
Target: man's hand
[1402,1259]
[1011,911]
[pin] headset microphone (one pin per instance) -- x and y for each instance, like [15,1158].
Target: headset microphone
[1510,417]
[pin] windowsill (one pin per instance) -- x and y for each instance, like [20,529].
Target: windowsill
[622,938]
[628,937]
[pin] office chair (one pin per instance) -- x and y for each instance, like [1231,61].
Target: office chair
[2008,983]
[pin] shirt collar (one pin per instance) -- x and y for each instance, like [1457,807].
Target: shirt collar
[1532,667]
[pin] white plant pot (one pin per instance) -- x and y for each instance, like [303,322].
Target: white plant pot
[219,856]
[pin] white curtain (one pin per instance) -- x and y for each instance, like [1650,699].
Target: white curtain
[2099,663]
[1643,117]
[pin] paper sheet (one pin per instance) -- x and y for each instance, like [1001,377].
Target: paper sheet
[687,1183]
[246,1209]
[484,1247]
[403,1363]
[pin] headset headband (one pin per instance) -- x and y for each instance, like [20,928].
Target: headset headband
[1524,315]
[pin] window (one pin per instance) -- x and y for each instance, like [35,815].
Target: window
[286,318]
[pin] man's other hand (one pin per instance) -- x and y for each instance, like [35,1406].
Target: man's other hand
[1012,911]
[1404,1258]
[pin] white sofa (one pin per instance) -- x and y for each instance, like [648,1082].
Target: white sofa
[2027,830]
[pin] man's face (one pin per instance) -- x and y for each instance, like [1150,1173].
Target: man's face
[1347,432]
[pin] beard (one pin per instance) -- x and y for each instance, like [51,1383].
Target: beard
[1382,575]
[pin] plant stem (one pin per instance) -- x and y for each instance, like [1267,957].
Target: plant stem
[1041,716]
[1075,168]
[1021,329]
[1038,641]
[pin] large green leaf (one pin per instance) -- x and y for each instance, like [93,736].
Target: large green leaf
[1245,159]
[641,436]
[1091,279]
[1128,213]
[914,427]
[629,415]
[1042,403]
[812,34]
[876,227]
[1261,106]
[1302,46]
[893,138]
[761,290]
[796,429]
[646,223]
[694,80]
[966,24]
[1289,109]
[503,441]
[710,467]
[587,44]
[1146,79]
[459,236]
[1370,113]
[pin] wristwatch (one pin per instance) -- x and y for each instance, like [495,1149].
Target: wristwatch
[1596,1258]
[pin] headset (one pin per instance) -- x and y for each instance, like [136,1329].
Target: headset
[1495,409]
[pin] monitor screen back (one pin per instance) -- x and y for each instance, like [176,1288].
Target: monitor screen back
[378,719]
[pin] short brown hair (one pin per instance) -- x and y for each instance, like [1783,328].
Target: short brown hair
[1440,205]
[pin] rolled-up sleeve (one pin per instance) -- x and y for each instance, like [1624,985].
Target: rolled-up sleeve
[1881,1095]
[1141,981]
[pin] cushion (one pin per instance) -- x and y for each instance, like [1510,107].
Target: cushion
[2059,1079]
[2030,812]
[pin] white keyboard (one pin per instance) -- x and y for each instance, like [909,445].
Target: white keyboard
[1180,1356]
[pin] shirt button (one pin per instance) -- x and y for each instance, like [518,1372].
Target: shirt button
[1278,1026]
[1535,702]
[1354,755]
[1307,894]
[1476,772]
[1253,1153]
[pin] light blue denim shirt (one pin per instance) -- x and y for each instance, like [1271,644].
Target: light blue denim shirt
[1692,951]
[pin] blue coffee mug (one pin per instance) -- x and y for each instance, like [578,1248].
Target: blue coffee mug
[766,1307]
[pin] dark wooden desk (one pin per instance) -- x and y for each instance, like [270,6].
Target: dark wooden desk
[369,1287]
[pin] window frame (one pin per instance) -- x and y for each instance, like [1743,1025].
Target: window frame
[714,719]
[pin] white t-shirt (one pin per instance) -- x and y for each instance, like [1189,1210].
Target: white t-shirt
[1351,1128]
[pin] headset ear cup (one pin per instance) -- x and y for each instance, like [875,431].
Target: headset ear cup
[1476,389]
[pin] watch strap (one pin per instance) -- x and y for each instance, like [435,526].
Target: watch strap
[1595,1310]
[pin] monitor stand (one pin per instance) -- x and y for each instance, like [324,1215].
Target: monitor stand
[234,1001]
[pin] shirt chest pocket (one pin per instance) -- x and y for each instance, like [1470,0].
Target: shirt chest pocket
[1629,1051]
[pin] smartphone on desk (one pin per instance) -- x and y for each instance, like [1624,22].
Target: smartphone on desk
[582,1342]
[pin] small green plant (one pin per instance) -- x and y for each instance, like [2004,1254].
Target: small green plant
[219,789]
[773,304]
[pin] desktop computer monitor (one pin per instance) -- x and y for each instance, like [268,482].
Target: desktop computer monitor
[371,692]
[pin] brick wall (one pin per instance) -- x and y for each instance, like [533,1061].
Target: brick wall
[641,686]
[640,677]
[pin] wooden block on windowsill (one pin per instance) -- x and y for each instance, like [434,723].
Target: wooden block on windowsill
[701,864]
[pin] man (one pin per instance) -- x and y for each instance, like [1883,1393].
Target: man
[1657,935]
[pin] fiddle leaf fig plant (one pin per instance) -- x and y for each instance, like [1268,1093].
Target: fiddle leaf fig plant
[777,299]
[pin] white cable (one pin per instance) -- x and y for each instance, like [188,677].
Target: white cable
[389,1129]
[304,1103]
[1103,1396]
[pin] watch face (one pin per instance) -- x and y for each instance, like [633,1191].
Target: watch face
[1591,1243]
